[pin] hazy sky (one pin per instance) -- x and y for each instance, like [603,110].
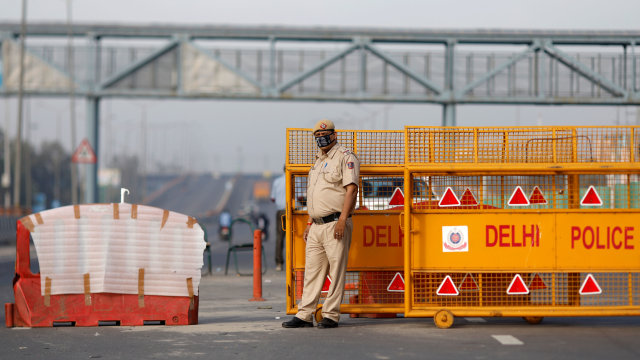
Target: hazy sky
[221,135]
[539,14]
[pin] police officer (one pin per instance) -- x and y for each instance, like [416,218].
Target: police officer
[331,197]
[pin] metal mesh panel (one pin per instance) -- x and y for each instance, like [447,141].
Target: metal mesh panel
[616,289]
[372,147]
[381,147]
[426,284]
[298,284]
[617,191]
[376,191]
[446,146]
[370,287]
[636,144]
[489,289]
[361,288]
[545,289]
[302,148]
[299,192]
[520,79]
[528,146]
[604,144]
[522,145]
[635,288]
[156,75]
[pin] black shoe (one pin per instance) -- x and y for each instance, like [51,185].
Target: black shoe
[327,323]
[296,323]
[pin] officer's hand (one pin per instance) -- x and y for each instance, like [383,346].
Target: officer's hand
[306,232]
[338,231]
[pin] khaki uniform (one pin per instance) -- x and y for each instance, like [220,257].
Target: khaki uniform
[323,253]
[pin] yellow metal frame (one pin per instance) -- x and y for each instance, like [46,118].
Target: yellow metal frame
[571,152]
[299,166]
[475,167]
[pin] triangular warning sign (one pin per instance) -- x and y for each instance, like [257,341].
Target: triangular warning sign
[84,154]
[518,198]
[397,199]
[449,198]
[447,287]
[537,197]
[517,286]
[590,286]
[468,283]
[327,284]
[537,283]
[468,199]
[591,198]
[396,284]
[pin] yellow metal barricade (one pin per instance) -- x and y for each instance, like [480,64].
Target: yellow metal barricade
[376,254]
[531,222]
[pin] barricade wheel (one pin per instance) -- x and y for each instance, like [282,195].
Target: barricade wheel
[533,319]
[318,314]
[443,319]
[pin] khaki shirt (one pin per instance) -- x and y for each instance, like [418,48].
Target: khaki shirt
[328,178]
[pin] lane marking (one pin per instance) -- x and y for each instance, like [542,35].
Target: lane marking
[507,340]
[475,319]
[246,341]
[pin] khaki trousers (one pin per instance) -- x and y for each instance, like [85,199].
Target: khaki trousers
[324,255]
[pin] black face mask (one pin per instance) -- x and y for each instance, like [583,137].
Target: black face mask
[324,141]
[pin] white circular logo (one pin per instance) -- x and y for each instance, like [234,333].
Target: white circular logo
[455,240]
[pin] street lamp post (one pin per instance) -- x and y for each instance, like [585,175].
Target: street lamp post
[6,174]
[72,105]
[16,172]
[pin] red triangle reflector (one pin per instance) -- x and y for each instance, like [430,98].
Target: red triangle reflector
[468,283]
[518,198]
[396,284]
[397,199]
[517,286]
[468,199]
[537,283]
[591,198]
[447,287]
[537,197]
[590,286]
[449,198]
[327,284]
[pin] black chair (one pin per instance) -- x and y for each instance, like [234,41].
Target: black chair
[235,247]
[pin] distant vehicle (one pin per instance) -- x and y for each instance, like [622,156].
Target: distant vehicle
[224,226]
[377,191]
[261,190]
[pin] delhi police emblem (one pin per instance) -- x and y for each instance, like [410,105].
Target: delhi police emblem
[455,238]
[323,126]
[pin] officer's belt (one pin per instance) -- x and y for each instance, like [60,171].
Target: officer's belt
[327,219]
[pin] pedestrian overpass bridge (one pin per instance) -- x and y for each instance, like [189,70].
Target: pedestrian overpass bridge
[438,66]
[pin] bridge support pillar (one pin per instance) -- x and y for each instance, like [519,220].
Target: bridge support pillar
[449,115]
[449,109]
[93,129]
